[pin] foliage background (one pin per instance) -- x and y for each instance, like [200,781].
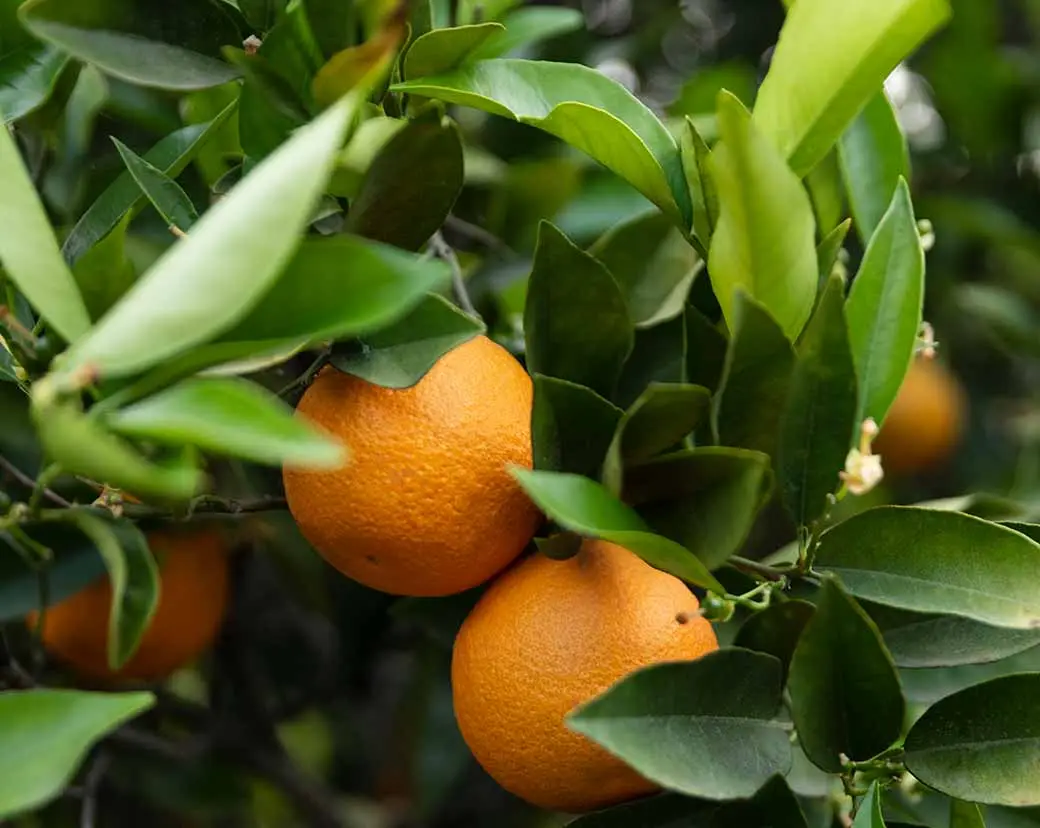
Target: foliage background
[354,684]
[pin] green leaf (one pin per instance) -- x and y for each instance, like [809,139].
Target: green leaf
[442,50]
[749,406]
[411,185]
[653,264]
[874,157]
[845,693]
[869,813]
[571,426]
[399,355]
[965,815]
[819,417]
[703,193]
[826,193]
[828,250]
[584,506]
[581,106]
[29,252]
[261,14]
[104,272]
[884,306]
[228,416]
[662,416]
[764,241]
[772,806]
[338,286]
[81,445]
[171,202]
[247,238]
[333,23]
[776,630]
[29,70]
[134,42]
[470,11]
[918,639]
[706,350]
[171,155]
[663,811]
[928,561]
[134,578]
[527,26]
[658,355]
[704,728]
[707,498]
[75,564]
[45,735]
[981,744]
[567,288]
[829,61]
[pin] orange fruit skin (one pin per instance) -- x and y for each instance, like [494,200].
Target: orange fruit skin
[548,636]
[924,424]
[425,505]
[192,600]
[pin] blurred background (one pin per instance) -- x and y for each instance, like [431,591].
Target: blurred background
[354,684]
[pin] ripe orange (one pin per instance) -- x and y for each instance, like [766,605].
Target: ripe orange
[192,600]
[425,505]
[924,424]
[548,636]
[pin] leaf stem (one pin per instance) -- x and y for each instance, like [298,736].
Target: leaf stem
[446,253]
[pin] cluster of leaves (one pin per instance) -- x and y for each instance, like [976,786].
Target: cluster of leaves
[694,364]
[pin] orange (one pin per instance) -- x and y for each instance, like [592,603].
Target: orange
[426,504]
[925,422]
[548,636]
[193,596]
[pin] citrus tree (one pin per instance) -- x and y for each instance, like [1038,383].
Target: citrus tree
[607,476]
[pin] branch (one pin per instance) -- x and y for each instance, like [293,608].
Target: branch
[29,483]
[314,802]
[446,253]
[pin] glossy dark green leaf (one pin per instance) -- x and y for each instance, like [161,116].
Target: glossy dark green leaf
[29,252]
[749,406]
[845,693]
[581,106]
[171,155]
[75,563]
[981,744]
[228,416]
[869,813]
[764,242]
[442,50]
[705,350]
[171,202]
[149,42]
[705,728]
[247,238]
[584,506]
[267,84]
[399,355]
[29,70]
[663,811]
[707,498]
[571,426]
[568,287]
[819,418]
[658,355]
[874,157]
[261,14]
[104,272]
[411,185]
[653,264]
[932,561]
[828,250]
[830,59]
[884,306]
[965,815]
[81,445]
[46,736]
[133,576]
[699,181]
[921,640]
[776,630]
[772,806]
[527,26]
[662,416]
[333,23]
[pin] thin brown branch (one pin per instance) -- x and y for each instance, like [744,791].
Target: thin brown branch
[27,481]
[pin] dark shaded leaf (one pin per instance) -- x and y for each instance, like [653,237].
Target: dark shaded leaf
[705,350]
[171,202]
[29,70]
[658,355]
[776,630]
[701,184]
[772,806]
[571,427]
[664,811]
[965,815]
[104,272]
